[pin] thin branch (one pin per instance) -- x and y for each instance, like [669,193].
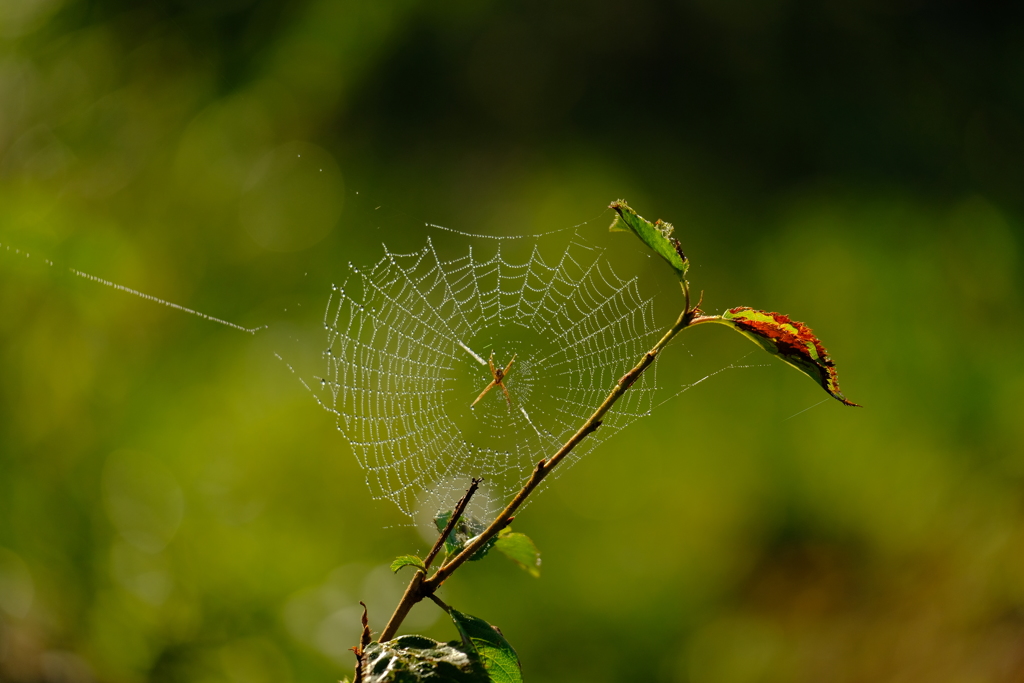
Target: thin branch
[440,603]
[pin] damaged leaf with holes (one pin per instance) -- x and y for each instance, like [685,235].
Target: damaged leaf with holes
[416,659]
[791,341]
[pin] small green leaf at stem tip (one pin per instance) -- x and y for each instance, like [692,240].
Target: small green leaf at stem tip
[498,657]
[407,561]
[656,235]
[791,341]
[521,549]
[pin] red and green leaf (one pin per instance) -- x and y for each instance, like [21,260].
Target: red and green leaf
[791,341]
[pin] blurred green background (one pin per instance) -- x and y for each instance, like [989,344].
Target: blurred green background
[174,507]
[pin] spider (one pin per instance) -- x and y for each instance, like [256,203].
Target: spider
[499,375]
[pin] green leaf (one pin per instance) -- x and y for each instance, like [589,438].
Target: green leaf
[791,341]
[656,235]
[521,549]
[412,659]
[406,561]
[466,529]
[498,657]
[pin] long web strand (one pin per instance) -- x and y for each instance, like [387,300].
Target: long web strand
[164,302]
[141,295]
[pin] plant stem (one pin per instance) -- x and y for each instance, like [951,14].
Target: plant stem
[440,603]
[420,588]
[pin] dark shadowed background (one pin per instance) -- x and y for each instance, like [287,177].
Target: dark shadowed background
[174,506]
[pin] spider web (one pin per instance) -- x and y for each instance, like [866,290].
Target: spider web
[409,340]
